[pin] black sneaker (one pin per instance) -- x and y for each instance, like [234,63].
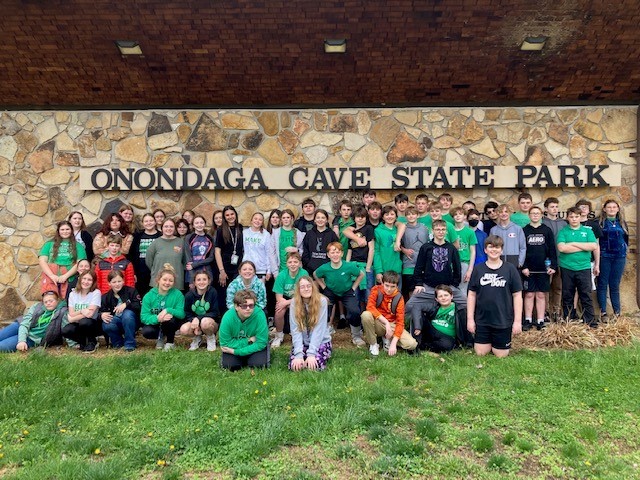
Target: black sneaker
[90,347]
[526,325]
[540,325]
[604,317]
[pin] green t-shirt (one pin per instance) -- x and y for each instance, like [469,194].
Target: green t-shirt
[285,285]
[520,219]
[445,321]
[402,219]
[467,238]
[448,218]
[342,226]
[338,280]
[577,260]
[451,235]
[287,239]
[64,257]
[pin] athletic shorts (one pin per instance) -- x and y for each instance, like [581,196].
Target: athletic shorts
[499,338]
[536,282]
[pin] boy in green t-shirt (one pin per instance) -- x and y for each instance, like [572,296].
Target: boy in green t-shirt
[435,213]
[521,217]
[386,256]
[401,202]
[438,334]
[283,288]
[446,199]
[342,223]
[338,281]
[575,244]
[467,249]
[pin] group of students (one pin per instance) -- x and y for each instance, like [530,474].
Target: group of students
[358,270]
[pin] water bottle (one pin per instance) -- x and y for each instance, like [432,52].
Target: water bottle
[547,263]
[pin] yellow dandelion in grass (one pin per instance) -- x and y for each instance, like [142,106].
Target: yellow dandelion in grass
[25,432]
[293,415]
[161,463]
[172,447]
[606,389]
[264,383]
[257,392]
[1,455]
[587,463]
[215,417]
[150,434]
[97,451]
[197,430]
[288,407]
[63,430]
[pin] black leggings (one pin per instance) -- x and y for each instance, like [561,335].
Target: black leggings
[434,340]
[83,332]
[259,359]
[168,329]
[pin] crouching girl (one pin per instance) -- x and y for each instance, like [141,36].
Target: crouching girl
[84,303]
[163,310]
[40,326]
[309,327]
[119,312]
[201,311]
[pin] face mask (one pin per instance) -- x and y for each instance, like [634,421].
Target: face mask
[473,223]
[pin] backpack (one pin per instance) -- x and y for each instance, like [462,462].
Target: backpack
[394,302]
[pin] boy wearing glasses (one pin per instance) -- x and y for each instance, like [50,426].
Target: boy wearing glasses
[244,334]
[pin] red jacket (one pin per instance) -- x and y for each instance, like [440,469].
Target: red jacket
[107,264]
[385,309]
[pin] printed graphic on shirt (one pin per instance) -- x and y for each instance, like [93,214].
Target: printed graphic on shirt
[199,248]
[200,307]
[536,239]
[144,246]
[492,280]
[440,258]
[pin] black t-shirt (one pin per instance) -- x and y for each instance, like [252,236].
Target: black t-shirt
[360,254]
[494,294]
[593,224]
[303,224]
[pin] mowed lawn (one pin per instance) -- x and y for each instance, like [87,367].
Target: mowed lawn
[173,415]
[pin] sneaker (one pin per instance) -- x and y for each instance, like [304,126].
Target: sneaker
[540,324]
[342,323]
[270,321]
[272,332]
[386,343]
[160,343]
[604,317]
[358,341]
[129,349]
[195,343]
[374,349]
[90,347]
[211,342]
[277,341]
[527,325]
[169,346]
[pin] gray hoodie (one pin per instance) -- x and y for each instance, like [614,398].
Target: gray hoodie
[514,242]
[554,225]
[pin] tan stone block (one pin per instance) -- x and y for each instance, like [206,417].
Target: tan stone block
[472,132]
[5,166]
[538,155]
[42,159]
[369,156]
[231,197]
[289,141]
[8,270]
[38,208]
[65,142]
[432,116]
[74,194]
[623,156]
[384,132]
[139,125]
[595,115]
[446,142]
[317,154]
[217,160]
[589,130]
[169,207]
[501,148]
[137,200]
[334,161]
[510,114]
[271,151]
[320,121]
[183,132]
[67,159]
[314,138]
[269,122]
[46,130]
[61,213]
[95,121]
[33,241]
[246,211]
[598,158]
[27,256]
[23,139]
[103,144]
[353,141]
[92,202]
[86,146]
[163,140]
[405,149]
[133,149]
[455,125]
[57,176]
[620,124]
[300,127]
[298,158]
[193,117]
[537,135]
[556,149]
[267,202]
[285,120]
[205,209]
[577,146]
[519,151]
[408,117]
[234,121]
[364,122]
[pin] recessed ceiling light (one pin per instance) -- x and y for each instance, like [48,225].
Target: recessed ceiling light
[129,47]
[336,45]
[533,44]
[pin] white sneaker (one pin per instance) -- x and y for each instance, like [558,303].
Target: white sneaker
[160,343]
[168,346]
[374,349]
[195,343]
[211,342]
[277,341]
[386,343]
[358,341]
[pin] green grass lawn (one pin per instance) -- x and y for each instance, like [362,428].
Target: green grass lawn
[173,415]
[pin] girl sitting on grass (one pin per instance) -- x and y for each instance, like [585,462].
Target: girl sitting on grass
[84,303]
[201,311]
[40,326]
[247,280]
[119,312]
[309,327]
[163,309]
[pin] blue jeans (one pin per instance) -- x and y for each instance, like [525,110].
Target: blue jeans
[125,324]
[9,337]
[370,280]
[611,270]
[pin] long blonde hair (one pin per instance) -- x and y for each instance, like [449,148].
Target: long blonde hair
[307,311]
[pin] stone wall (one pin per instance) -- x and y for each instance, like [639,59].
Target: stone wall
[41,153]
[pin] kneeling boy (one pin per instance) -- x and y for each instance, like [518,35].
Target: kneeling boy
[494,303]
[437,333]
[384,316]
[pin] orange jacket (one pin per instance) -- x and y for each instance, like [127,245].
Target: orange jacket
[385,308]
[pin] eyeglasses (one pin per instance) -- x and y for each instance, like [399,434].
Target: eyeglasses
[246,306]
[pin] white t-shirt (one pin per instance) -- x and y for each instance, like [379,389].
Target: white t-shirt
[79,301]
